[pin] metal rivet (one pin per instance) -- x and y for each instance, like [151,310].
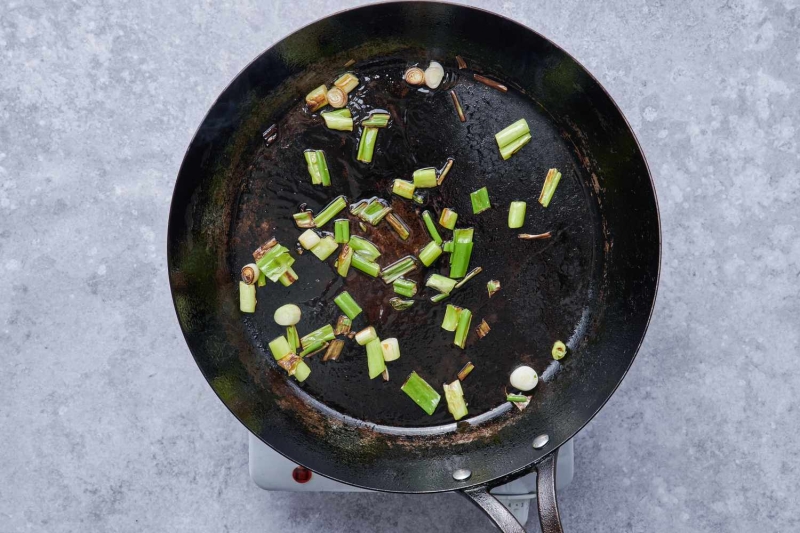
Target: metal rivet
[462,474]
[541,441]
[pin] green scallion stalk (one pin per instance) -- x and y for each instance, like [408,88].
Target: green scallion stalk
[480,200]
[325,248]
[344,261]
[397,269]
[324,334]
[346,82]
[549,188]
[341,230]
[348,305]
[292,337]
[472,273]
[464,372]
[334,350]
[366,147]
[341,113]
[451,314]
[318,167]
[514,147]
[366,266]
[304,219]
[364,247]
[441,283]
[419,198]
[376,120]
[358,207]
[343,325]
[430,253]
[280,348]
[247,297]
[492,286]
[464,320]
[445,171]
[439,297]
[262,279]
[483,329]
[317,98]
[339,120]
[423,394]
[428,219]
[405,287]
[391,349]
[309,239]
[463,235]
[425,178]
[448,218]
[311,349]
[516,214]
[454,395]
[375,363]
[459,261]
[447,246]
[288,277]
[366,335]
[398,304]
[275,262]
[398,225]
[374,212]
[559,350]
[403,188]
[516,398]
[511,133]
[302,371]
[330,211]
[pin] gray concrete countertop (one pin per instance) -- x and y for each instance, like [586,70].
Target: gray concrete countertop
[107,425]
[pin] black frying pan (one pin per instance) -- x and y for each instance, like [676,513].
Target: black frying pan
[593,284]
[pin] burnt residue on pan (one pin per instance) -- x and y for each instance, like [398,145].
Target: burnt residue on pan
[548,286]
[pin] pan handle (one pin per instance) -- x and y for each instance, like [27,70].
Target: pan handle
[545,500]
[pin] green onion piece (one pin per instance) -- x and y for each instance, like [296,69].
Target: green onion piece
[439,297]
[309,239]
[530,237]
[511,149]
[262,279]
[366,147]
[440,283]
[344,260]
[447,246]
[419,198]
[324,334]
[318,167]
[398,225]
[516,398]
[292,337]
[385,374]
[366,335]
[280,348]
[262,250]
[362,226]
[423,394]
[366,266]
[480,200]
[364,247]
[397,269]
[463,235]
[457,105]
[430,253]
[513,132]
[391,349]
[448,218]
[403,188]
[549,188]
[472,273]
[483,329]
[287,315]
[454,395]
[304,219]
[336,120]
[425,178]
[398,304]
[358,207]
[289,363]
[247,298]
[330,211]
[374,212]
[464,372]
[450,322]
[445,170]
[376,120]
[317,98]
[341,113]
[516,214]
[334,349]
[459,261]
[559,350]
[275,262]
[341,230]
[464,320]
[348,305]
[426,216]
[343,325]
[346,82]
[405,287]
[492,286]
[316,346]
[288,277]
[375,363]
[325,248]
[302,371]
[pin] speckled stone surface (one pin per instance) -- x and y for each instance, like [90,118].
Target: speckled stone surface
[107,425]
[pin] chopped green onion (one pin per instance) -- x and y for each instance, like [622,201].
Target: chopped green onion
[346,82]
[262,250]
[516,214]
[336,97]
[517,398]
[288,277]
[397,269]
[375,363]
[430,253]
[472,273]
[464,320]
[492,286]
[439,297]
[464,372]
[385,374]
[374,212]
[343,325]
[419,198]
[366,147]
[362,226]
[405,287]
[339,120]
[341,230]
[280,347]
[403,188]
[511,133]
[366,266]
[358,207]
[316,346]
[344,261]
[398,304]
[275,262]
[287,315]
[348,305]
[559,350]
[247,298]
[423,394]
[330,211]
[511,149]
[302,371]
[448,218]
[366,335]
[398,225]
[317,98]
[325,248]
[390,349]
[457,105]
[483,329]
[447,246]
[262,279]
[304,219]
[445,170]
[334,349]
[414,76]
[250,273]
[364,248]
[376,120]
[529,237]
[426,216]
[480,200]
[318,167]
[289,363]
[325,333]
[549,187]
[450,322]
[524,378]
[292,337]
[462,251]
[440,283]
[454,395]
[425,178]
[309,239]
[463,235]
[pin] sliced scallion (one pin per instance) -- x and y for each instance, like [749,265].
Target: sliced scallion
[514,147]
[430,253]
[317,98]
[445,170]
[398,268]
[366,147]
[428,219]
[464,320]
[287,315]
[359,262]
[405,287]
[549,187]
[480,200]
[398,225]
[457,105]
[483,329]
[314,348]
[262,279]
[366,335]
[318,167]
[376,120]
[339,120]
[391,349]
[516,398]
[403,188]
[450,322]
[439,297]
[490,83]
[344,261]
[364,247]
[538,237]
[425,178]
[385,374]
[472,273]
[280,348]
[399,304]
[462,251]
[288,277]
[304,219]
[464,372]
[511,133]
[336,97]
[348,305]
[447,246]
[275,262]
[330,211]
[292,337]
[289,363]
[374,212]
[325,248]
[262,250]
[454,395]
[419,198]
[440,283]
[448,218]
[250,273]
[309,239]
[375,363]
[346,82]
[415,76]
[334,350]
[247,298]
[492,286]
[423,394]
[324,334]
[343,325]
[516,214]
[341,230]
[302,371]
[559,350]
